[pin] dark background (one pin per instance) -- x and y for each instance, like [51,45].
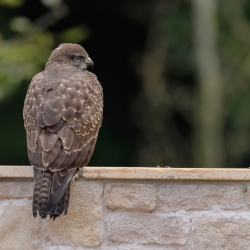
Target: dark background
[175,76]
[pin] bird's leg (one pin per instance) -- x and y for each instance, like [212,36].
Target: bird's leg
[77,175]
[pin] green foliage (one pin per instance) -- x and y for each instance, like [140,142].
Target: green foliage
[179,37]
[75,35]
[11,3]
[239,110]
[24,55]
[21,59]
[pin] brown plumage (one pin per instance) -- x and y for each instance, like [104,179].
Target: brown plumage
[62,113]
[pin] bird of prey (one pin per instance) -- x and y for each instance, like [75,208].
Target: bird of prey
[62,113]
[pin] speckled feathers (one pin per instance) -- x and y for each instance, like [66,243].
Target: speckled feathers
[62,113]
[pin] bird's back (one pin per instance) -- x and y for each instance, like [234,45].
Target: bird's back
[62,116]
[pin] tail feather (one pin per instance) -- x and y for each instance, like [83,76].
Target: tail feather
[62,179]
[66,200]
[45,191]
[51,192]
[62,205]
[38,180]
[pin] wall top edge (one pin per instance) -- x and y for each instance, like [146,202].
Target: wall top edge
[141,173]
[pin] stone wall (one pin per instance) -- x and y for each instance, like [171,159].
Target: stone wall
[132,209]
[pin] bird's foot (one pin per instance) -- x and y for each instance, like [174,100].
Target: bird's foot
[76,176]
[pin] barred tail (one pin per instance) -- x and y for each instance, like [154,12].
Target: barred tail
[51,192]
[38,175]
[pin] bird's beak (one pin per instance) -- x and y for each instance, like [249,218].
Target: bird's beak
[90,62]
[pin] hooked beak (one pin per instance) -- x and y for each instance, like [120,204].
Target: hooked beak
[90,62]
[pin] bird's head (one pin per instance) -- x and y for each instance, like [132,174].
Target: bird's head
[70,54]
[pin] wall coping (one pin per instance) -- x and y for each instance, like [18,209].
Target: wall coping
[141,173]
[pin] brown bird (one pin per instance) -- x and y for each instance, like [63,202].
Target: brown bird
[62,113]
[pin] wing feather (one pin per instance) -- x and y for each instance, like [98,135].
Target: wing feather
[59,160]
[48,140]
[49,156]
[64,119]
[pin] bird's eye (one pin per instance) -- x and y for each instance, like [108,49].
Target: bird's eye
[77,58]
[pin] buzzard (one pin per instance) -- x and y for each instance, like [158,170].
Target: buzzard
[62,113]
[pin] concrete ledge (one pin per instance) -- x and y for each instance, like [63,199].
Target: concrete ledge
[141,173]
[16,172]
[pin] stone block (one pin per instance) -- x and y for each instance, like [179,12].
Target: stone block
[145,228]
[84,223]
[19,230]
[143,247]
[140,197]
[248,196]
[16,190]
[222,231]
[182,196]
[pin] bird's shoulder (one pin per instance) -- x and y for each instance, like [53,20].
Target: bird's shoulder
[74,104]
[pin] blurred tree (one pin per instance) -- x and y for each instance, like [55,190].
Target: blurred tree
[153,94]
[235,55]
[210,94]
[175,76]
[164,102]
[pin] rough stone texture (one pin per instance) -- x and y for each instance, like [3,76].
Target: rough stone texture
[248,196]
[173,215]
[147,228]
[83,224]
[151,247]
[222,232]
[117,247]
[182,196]
[19,230]
[130,197]
[153,173]
[16,189]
